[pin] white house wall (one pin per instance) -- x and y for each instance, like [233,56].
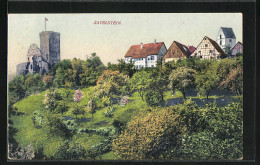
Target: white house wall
[230,44]
[206,52]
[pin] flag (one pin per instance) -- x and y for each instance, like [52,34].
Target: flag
[46,19]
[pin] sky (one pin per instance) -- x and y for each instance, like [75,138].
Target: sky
[79,36]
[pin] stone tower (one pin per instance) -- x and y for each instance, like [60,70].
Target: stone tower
[50,46]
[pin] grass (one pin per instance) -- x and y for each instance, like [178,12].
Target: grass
[42,138]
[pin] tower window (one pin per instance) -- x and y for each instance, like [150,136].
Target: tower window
[220,36]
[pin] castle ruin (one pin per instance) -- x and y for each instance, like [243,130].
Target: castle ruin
[40,60]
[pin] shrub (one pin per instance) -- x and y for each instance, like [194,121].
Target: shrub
[70,151]
[109,112]
[124,100]
[148,136]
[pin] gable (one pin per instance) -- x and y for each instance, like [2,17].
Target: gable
[211,45]
[177,50]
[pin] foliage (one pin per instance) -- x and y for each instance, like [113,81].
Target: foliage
[91,108]
[62,107]
[51,99]
[93,68]
[48,81]
[57,127]
[70,151]
[124,100]
[148,136]
[17,87]
[207,81]
[23,153]
[111,82]
[78,95]
[62,65]
[205,146]
[234,81]
[140,82]
[109,112]
[181,78]
[123,67]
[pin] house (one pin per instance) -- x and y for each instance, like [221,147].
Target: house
[208,49]
[238,48]
[176,51]
[145,55]
[226,38]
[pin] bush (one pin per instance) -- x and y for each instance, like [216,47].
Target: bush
[206,146]
[70,151]
[109,112]
[148,136]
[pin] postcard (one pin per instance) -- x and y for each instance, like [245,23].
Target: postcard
[125,86]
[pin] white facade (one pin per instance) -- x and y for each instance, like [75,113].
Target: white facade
[206,50]
[226,40]
[149,61]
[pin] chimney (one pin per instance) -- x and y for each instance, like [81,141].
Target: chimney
[141,45]
[154,41]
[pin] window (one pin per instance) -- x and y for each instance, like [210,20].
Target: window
[230,40]
[206,45]
[220,36]
[152,66]
[152,57]
[220,42]
[200,56]
[31,66]
[210,51]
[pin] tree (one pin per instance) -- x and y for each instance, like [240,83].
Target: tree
[38,84]
[78,109]
[227,49]
[70,151]
[234,81]
[51,99]
[148,136]
[60,76]
[140,83]
[207,81]
[111,82]
[63,65]
[62,107]
[181,78]
[92,106]
[48,81]
[92,69]
[17,87]
[123,67]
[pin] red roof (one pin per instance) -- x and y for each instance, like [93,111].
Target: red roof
[135,51]
[192,49]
